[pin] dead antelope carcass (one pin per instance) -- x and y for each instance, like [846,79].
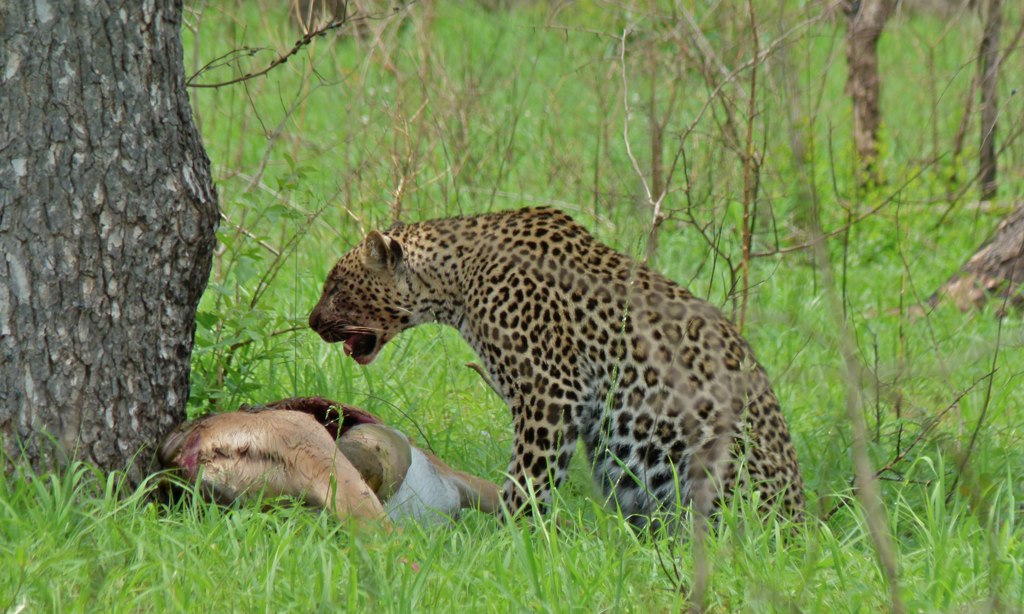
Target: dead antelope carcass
[331,455]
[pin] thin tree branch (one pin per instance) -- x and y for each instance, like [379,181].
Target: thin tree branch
[750,169]
[300,44]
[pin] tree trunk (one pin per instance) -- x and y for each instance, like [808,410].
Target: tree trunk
[995,270]
[107,222]
[989,57]
[865,20]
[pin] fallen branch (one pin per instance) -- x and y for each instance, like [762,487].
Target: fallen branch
[995,270]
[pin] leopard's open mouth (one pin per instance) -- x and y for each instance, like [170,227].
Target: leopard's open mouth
[360,344]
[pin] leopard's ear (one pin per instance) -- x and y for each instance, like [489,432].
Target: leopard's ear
[382,252]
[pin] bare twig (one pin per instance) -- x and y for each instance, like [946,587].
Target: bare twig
[403,161]
[851,222]
[307,38]
[234,347]
[766,52]
[275,265]
[241,230]
[275,134]
[653,200]
[705,48]
[750,170]
[902,454]
[224,364]
[714,242]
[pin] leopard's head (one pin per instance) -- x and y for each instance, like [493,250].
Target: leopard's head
[368,298]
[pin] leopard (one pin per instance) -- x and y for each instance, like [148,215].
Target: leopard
[583,343]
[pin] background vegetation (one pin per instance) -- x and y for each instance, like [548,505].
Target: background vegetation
[606,111]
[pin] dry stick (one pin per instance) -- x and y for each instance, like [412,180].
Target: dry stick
[659,179]
[1014,42]
[908,278]
[952,24]
[714,242]
[710,76]
[704,46]
[403,165]
[306,39]
[706,50]
[657,131]
[241,230]
[728,77]
[867,486]
[655,203]
[195,27]
[961,131]
[263,284]
[748,171]
[234,347]
[767,51]
[930,426]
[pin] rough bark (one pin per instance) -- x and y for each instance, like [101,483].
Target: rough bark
[996,270]
[989,57]
[865,20]
[107,222]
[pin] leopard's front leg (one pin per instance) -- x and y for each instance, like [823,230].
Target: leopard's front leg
[542,396]
[545,439]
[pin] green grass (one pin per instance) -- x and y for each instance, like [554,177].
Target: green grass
[71,544]
[482,110]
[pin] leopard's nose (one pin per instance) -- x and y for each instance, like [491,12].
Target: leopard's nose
[314,319]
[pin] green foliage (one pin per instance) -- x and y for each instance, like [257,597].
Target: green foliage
[79,541]
[462,109]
